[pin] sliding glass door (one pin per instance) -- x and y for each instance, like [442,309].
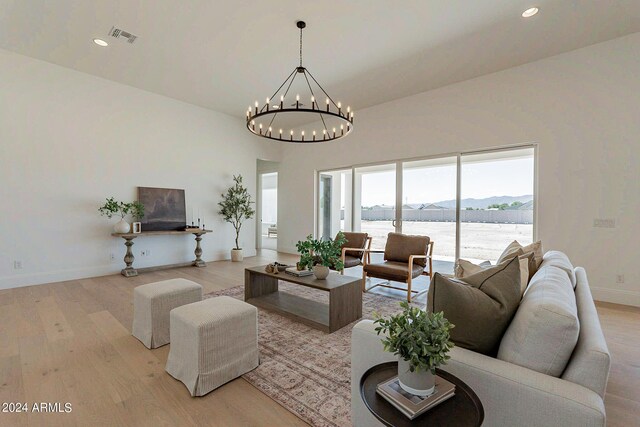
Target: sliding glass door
[334,203]
[374,202]
[472,205]
[429,203]
[497,196]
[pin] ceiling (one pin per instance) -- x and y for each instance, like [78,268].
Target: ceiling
[223,55]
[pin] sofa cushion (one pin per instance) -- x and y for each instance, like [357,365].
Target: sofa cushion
[480,306]
[590,360]
[466,268]
[355,240]
[351,261]
[391,270]
[545,328]
[560,260]
[400,246]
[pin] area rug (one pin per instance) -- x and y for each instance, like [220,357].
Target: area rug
[303,369]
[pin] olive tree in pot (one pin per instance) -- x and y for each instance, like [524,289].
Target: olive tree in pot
[235,208]
[421,341]
[320,255]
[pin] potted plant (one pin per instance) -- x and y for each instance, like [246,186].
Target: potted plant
[235,207]
[112,208]
[320,255]
[421,341]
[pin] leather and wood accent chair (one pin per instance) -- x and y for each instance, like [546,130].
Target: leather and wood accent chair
[405,258]
[354,249]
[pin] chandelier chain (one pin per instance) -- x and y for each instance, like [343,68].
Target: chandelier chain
[301,47]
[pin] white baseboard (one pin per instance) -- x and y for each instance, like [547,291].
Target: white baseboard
[42,278]
[617,296]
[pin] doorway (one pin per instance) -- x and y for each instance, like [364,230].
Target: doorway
[268,210]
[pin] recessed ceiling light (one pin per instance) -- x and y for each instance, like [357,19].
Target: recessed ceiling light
[100,42]
[530,12]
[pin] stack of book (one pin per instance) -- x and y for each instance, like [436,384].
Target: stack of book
[298,273]
[410,404]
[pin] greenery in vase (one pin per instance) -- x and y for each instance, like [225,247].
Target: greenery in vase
[321,252]
[418,337]
[112,208]
[235,206]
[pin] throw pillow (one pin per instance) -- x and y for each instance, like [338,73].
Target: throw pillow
[466,268]
[535,247]
[481,306]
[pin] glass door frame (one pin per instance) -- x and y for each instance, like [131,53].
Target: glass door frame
[399,185]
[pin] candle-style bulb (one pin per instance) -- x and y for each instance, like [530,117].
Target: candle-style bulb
[298,97]
[348,109]
[339,104]
[280,131]
[260,125]
[313,99]
[281,98]
[267,101]
[269,129]
[256,103]
[302,133]
[291,131]
[341,127]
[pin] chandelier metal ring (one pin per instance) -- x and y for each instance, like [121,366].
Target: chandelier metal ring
[260,118]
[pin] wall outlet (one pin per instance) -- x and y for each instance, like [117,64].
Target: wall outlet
[604,223]
[17,265]
[619,278]
[145,253]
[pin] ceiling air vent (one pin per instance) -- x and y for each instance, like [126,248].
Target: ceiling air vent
[122,34]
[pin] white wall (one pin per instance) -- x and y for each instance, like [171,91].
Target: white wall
[68,140]
[582,108]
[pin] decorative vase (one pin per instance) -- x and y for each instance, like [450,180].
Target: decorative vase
[121,226]
[420,383]
[236,255]
[320,271]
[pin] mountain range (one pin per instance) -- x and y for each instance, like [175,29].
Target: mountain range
[484,203]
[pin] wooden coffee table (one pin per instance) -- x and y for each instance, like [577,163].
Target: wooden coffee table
[345,298]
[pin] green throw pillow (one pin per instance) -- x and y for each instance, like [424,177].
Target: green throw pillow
[480,306]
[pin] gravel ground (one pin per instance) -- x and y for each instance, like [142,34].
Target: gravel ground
[479,241]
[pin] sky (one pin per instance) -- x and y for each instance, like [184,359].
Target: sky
[511,177]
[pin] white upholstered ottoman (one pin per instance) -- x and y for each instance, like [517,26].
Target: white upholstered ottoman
[153,302]
[212,342]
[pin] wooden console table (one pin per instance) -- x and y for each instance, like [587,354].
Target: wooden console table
[129,271]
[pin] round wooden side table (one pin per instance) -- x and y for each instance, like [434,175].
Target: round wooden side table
[463,409]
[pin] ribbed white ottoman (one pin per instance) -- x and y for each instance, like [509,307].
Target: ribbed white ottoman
[151,306]
[212,342]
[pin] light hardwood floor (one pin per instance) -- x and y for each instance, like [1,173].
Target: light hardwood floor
[71,342]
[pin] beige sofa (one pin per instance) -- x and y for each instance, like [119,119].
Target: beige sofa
[514,395]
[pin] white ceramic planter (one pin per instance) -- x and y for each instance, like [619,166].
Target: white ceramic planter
[419,383]
[320,271]
[122,226]
[236,255]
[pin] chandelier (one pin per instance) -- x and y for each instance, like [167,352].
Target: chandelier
[282,115]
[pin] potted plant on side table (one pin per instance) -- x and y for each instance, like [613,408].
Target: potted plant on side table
[321,255]
[235,208]
[421,341]
[112,208]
